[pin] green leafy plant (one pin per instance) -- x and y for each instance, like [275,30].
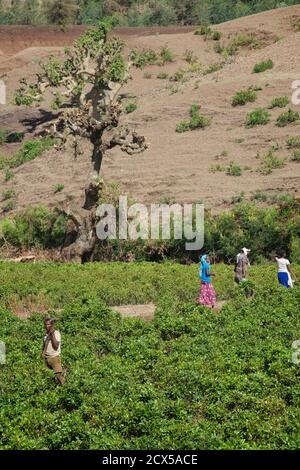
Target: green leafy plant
[213,68]
[233,169]
[296,156]
[8,194]
[58,187]
[263,66]
[162,75]
[244,96]
[130,108]
[258,116]
[197,120]
[280,102]
[270,162]
[293,142]
[287,117]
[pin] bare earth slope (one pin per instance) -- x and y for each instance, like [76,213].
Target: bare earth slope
[176,166]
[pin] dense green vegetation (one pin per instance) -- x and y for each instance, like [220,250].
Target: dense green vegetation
[133,12]
[265,229]
[190,379]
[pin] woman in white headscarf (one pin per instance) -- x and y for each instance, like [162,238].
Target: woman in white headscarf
[242,265]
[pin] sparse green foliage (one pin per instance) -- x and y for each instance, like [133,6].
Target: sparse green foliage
[197,120]
[244,96]
[8,206]
[296,156]
[287,117]
[8,194]
[259,116]
[162,75]
[29,151]
[270,162]
[147,75]
[263,66]
[130,108]
[213,68]
[259,195]
[8,175]
[293,142]
[280,102]
[216,35]
[58,188]
[233,169]
[189,56]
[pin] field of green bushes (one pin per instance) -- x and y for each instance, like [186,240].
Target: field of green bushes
[190,379]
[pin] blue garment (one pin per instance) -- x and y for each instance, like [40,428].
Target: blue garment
[283,279]
[204,266]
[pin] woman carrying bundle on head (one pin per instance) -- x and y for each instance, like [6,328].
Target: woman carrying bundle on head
[207,294]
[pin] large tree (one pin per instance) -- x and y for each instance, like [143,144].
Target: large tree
[86,88]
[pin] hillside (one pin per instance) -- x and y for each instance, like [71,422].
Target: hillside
[177,166]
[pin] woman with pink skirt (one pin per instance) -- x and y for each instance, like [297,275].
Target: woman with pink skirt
[207,296]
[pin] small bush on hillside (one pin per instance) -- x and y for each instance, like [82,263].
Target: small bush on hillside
[197,120]
[287,117]
[58,187]
[293,142]
[213,68]
[218,48]
[216,35]
[130,108]
[13,137]
[233,169]
[296,156]
[29,151]
[262,66]
[178,76]
[244,96]
[162,75]
[165,56]
[8,175]
[189,56]
[142,58]
[259,116]
[8,206]
[259,195]
[8,194]
[216,168]
[147,75]
[204,30]
[270,162]
[243,40]
[280,102]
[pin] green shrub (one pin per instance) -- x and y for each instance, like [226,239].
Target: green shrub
[270,162]
[143,58]
[165,56]
[178,76]
[218,48]
[233,169]
[13,137]
[213,68]
[280,102]
[244,96]
[183,126]
[8,206]
[262,66]
[217,168]
[189,56]
[216,35]
[287,117]
[243,40]
[29,151]
[130,108]
[197,120]
[293,142]
[162,75]
[259,195]
[36,226]
[8,175]
[258,116]
[8,194]
[147,75]
[58,187]
[204,30]
[296,156]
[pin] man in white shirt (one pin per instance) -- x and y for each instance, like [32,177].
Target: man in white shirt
[284,270]
[52,350]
